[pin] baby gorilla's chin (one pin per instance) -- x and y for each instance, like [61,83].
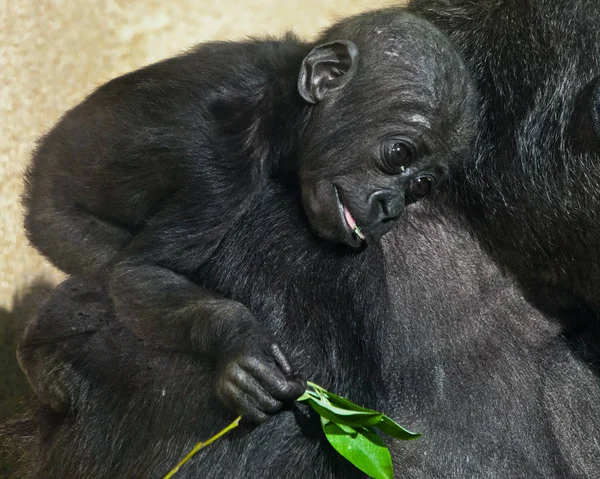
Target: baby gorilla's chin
[325,214]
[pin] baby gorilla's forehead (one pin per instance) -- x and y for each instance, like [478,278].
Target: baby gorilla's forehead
[409,82]
[394,89]
[411,58]
[425,78]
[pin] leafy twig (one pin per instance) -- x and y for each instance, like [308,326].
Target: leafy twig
[349,428]
[352,431]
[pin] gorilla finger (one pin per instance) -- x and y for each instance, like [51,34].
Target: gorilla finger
[297,386]
[238,385]
[281,359]
[271,378]
[268,375]
[293,389]
[239,402]
[255,391]
[232,373]
[245,405]
[255,416]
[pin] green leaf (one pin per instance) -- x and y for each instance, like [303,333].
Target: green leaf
[392,428]
[343,416]
[363,448]
[334,403]
[320,403]
[305,396]
[346,403]
[341,411]
[314,393]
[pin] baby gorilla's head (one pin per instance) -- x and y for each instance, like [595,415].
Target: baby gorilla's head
[394,107]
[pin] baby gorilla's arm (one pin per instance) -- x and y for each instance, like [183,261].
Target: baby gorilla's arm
[253,376]
[161,305]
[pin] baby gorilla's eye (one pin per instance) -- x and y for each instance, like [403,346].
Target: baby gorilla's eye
[400,153]
[397,156]
[420,187]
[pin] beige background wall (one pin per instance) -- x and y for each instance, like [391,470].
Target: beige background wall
[53,52]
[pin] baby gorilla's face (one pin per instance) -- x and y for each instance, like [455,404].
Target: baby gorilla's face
[386,139]
[363,201]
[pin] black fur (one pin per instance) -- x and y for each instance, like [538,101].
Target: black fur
[141,183]
[532,190]
[502,381]
[273,264]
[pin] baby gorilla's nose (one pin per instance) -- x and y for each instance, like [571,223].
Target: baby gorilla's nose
[384,206]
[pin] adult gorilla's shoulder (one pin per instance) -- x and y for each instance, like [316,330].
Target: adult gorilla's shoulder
[532,190]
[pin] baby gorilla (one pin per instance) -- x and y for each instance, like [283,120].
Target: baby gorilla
[139,184]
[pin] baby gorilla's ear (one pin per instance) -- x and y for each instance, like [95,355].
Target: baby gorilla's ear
[585,125]
[327,68]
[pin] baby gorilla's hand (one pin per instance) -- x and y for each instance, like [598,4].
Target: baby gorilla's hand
[256,378]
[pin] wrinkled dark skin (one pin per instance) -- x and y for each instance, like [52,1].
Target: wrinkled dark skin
[138,185]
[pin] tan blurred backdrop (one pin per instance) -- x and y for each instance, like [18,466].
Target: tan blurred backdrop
[53,52]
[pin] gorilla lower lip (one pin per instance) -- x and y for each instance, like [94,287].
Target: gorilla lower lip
[352,224]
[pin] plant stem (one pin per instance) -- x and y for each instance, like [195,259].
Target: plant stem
[200,445]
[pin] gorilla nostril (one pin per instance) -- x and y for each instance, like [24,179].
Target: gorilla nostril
[384,208]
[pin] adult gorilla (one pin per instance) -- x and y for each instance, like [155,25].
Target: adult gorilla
[491,352]
[501,389]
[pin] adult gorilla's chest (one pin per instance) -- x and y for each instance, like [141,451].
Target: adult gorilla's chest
[489,380]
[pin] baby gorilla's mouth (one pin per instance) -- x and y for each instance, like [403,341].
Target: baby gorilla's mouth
[347,216]
[352,224]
